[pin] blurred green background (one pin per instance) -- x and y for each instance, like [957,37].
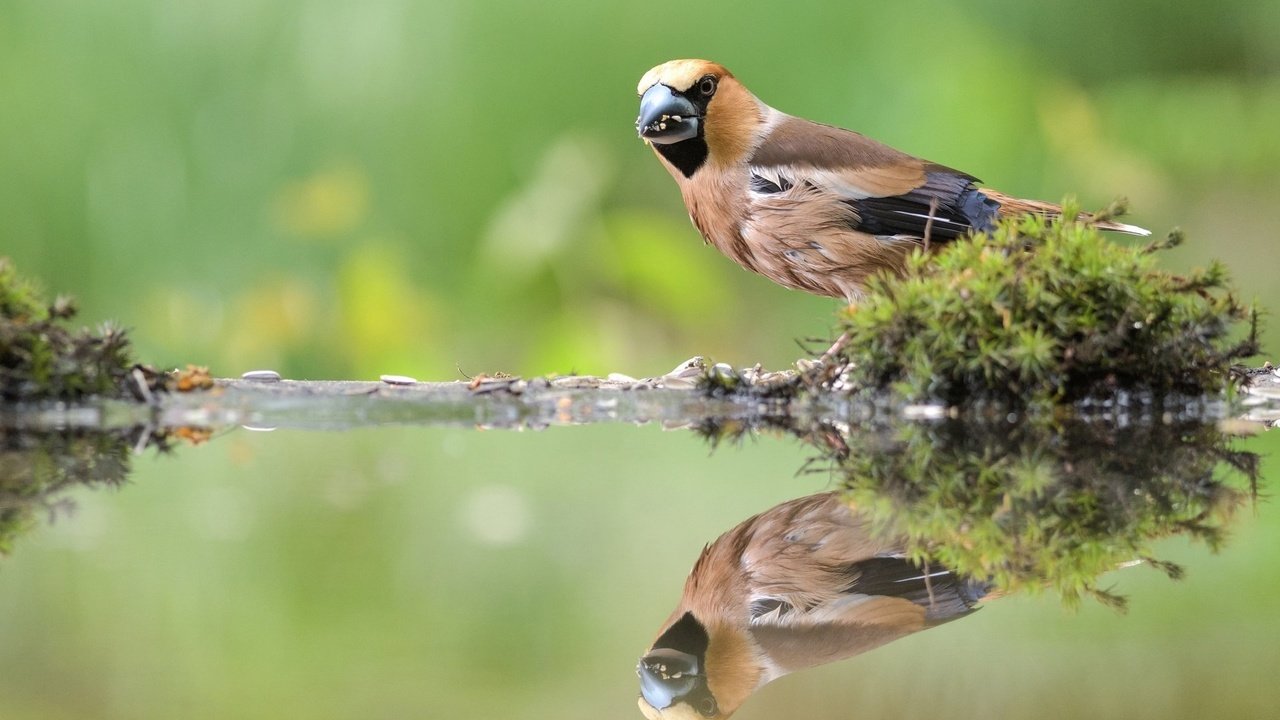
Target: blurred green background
[342,189]
[432,573]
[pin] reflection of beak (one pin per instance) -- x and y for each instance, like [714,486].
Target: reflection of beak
[666,117]
[667,676]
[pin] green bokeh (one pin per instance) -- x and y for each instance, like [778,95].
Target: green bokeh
[342,189]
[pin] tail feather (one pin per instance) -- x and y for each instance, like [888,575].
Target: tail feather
[1013,207]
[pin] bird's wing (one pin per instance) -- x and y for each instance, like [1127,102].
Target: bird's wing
[822,587]
[890,192]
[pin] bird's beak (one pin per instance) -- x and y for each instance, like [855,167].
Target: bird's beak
[666,117]
[669,676]
[666,676]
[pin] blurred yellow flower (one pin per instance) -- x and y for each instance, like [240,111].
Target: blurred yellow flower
[386,318]
[273,318]
[327,203]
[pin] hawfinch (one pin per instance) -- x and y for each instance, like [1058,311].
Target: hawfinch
[809,206]
[801,584]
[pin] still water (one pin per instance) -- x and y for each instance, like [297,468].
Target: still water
[442,572]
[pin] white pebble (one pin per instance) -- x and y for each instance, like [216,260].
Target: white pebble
[261,376]
[397,379]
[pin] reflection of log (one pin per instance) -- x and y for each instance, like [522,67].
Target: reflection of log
[692,394]
[674,399]
[504,403]
[1261,395]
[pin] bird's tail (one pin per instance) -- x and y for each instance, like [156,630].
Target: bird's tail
[1013,207]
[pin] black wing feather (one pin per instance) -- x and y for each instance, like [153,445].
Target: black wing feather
[944,595]
[948,205]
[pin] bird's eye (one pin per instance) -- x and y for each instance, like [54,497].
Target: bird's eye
[707,86]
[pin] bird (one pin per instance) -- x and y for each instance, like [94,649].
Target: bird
[810,206]
[804,583]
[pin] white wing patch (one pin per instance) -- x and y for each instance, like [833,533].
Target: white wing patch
[781,613]
[768,181]
[771,180]
[839,184]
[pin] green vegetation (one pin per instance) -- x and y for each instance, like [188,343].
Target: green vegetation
[1030,507]
[1039,313]
[42,359]
[38,469]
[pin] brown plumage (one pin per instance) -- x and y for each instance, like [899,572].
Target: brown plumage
[809,206]
[801,584]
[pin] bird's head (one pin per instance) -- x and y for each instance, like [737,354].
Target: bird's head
[674,99]
[691,674]
[692,109]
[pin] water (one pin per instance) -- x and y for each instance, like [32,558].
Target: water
[396,568]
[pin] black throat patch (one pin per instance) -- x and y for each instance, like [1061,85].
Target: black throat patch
[689,155]
[686,155]
[686,635]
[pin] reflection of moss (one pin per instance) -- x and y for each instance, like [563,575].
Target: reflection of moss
[37,468]
[41,359]
[1033,506]
[1076,316]
[1027,507]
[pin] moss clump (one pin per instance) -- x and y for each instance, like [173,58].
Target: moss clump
[1040,312]
[38,469]
[41,359]
[1028,507]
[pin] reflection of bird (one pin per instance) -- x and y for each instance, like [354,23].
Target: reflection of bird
[809,206]
[801,584]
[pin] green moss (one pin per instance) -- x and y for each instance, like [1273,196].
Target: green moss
[1030,507]
[1041,313]
[19,298]
[719,380]
[42,359]
[37,469]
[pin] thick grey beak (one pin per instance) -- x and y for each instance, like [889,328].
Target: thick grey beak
[666,117]
[667,676]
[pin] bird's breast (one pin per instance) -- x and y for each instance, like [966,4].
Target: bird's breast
[797,234]
[718,206]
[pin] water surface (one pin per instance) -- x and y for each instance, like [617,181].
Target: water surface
[411,571]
